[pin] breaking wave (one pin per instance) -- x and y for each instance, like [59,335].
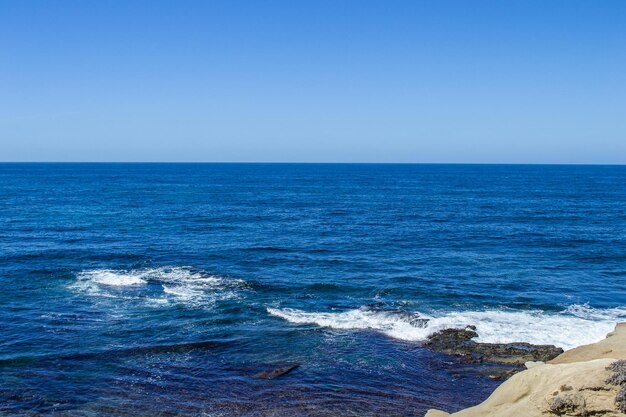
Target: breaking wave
[575,326]
[112,278]
[157,286]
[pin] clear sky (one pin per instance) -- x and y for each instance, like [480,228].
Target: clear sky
[318,80]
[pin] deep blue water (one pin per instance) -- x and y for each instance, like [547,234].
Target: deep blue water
[162,289]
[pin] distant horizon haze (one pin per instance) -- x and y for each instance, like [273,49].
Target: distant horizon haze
[320,81]
[310,163]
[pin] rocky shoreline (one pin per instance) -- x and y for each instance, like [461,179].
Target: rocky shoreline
[589,380]
[510,357]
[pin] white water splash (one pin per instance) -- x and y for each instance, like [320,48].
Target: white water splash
[177,284]
[577,325]
[112,278]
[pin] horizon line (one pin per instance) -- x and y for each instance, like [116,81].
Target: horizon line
[317,163]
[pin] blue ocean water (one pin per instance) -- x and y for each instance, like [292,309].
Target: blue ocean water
[162,289]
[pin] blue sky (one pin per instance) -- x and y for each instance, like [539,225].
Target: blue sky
[319,80]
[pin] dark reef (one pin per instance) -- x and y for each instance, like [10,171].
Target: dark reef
[512,356]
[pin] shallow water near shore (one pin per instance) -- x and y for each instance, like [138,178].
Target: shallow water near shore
[163,289]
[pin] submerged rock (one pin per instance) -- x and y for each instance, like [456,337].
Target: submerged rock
[276,372]
[412,318]
[460,343]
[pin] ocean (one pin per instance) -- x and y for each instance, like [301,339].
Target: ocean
[163,289]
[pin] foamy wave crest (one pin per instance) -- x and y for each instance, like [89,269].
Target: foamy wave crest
[112,278]
[399,326]
[577,325]
[158,286]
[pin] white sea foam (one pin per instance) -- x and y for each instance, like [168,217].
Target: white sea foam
[112,278]
[182,284]
[577,325]
[183,292]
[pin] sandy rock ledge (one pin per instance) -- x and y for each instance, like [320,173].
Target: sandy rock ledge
[572,384]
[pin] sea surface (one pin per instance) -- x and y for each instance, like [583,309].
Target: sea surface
[163,289]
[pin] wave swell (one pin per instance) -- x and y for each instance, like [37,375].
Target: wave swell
[577,325]
[157,286]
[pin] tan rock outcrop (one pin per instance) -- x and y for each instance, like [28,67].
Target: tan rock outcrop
[614,346]
[573,384]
